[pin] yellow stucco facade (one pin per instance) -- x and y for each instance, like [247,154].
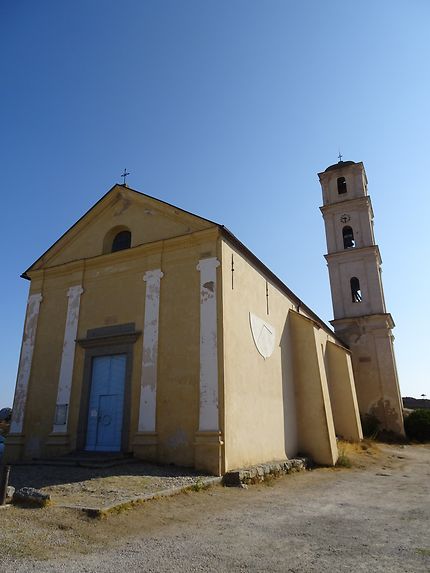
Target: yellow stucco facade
[182,348]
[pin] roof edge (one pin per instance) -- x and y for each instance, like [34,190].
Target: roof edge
[276,280]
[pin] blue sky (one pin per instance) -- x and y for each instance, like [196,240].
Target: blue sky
[228,109]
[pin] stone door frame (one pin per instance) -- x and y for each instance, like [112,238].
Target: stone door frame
[106,341]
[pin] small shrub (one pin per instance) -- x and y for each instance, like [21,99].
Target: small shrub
[344,448]
[343,460]
[417,425]
[199,485]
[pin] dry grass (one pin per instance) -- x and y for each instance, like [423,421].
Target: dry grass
[68,532]
[358,454]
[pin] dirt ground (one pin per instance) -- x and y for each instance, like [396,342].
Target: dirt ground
[102,487]
[372,517]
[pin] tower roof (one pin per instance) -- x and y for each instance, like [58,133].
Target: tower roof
[339,165]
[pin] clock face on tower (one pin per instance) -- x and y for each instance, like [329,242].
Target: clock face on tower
[345,218]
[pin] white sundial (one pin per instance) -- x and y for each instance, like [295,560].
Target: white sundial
[264,335]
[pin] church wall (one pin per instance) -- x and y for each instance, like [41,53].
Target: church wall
[178,365]
[114,294]
[111,296]
[40,404]
[260,410]
[316,429]
[343,396]
[278,406]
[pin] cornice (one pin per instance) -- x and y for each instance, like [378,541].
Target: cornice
[355,253]
[132,254]
[362,203]
[58,271]
[113,340]
[342,168]
[368,319]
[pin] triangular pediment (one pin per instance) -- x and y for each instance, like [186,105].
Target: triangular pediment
[148,219]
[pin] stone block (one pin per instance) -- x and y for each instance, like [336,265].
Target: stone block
[31,497]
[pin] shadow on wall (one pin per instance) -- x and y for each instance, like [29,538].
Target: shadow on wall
[384,411]
[288,392]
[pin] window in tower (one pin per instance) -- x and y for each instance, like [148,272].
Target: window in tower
[122,240]
[348,237]
[355,290]
[341,185]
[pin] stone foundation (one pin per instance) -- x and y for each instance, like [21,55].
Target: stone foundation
[262,472]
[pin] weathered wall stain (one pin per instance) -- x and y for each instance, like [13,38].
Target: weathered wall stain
[210,285]
[384,410]
[178,439]
[124,204]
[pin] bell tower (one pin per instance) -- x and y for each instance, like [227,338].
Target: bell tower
[361,319]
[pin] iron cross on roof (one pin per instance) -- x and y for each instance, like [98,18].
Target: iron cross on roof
[124,175]
[340,156]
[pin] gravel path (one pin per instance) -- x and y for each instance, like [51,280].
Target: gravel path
[374,519]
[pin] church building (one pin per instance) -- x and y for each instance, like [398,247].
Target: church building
[154,332]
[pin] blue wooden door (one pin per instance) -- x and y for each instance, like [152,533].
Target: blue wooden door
[106,405]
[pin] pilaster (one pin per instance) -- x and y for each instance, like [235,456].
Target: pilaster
[208,441]
[60,425]
[145,441]
[208,412]
[25,362]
